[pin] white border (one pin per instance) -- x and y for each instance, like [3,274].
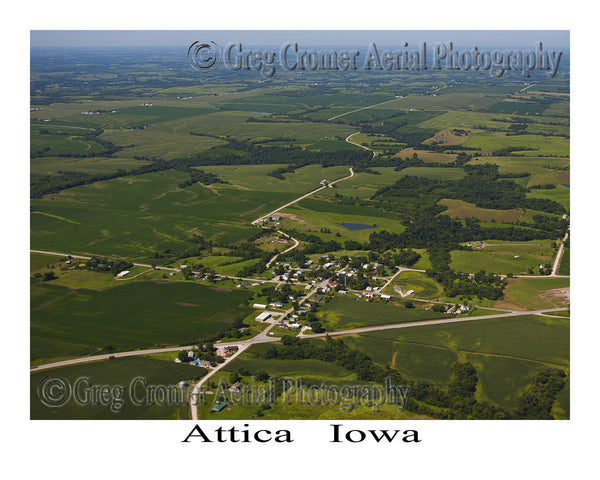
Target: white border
[151,449]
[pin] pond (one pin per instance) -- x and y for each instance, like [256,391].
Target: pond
[356,226]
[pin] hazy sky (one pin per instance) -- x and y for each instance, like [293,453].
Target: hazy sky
[178,38]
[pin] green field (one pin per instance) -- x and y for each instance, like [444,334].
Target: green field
[347,312]
[117,372]
[506,352]
[136,217]
[67,322]
[423,286]
[535,293]
[500,258]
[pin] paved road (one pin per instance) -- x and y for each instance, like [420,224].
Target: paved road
[95,358]
[425,323]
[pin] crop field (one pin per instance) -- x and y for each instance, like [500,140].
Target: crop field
[447,101]
[502,259]
[158,141]
[539,145]
[427,156]
[346,312]
[460,209]
[423,286]
[535,293]
[119,371]
[560,194]
[507,352]
[53,165]
[137,216]
[82,321]
[532,165]
[235,124]
[254,177]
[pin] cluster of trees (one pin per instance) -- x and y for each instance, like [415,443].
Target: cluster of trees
[200,176]
[536,402]
[107,265]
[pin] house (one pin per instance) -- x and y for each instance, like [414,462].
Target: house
[276,304]
[323,182]
[369,296]
[318,298]
[276,218]
[236,387]
[182,384]
[308,287]
[230,349]
[295,326]
[263,316]
[343,292]
[190,354]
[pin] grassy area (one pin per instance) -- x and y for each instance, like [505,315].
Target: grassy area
[460,209]
[347,312]
[503,258]
[423,286]
[535,293]
[68,322]
[117,372]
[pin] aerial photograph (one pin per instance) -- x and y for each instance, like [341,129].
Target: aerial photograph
[299,225]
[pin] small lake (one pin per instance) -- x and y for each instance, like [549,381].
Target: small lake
[356,226]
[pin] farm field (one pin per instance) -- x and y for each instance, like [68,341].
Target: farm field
[346,312]
[67,322]
[506,352]
[503,258]
[535,293]
[118,371]
[139,216]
